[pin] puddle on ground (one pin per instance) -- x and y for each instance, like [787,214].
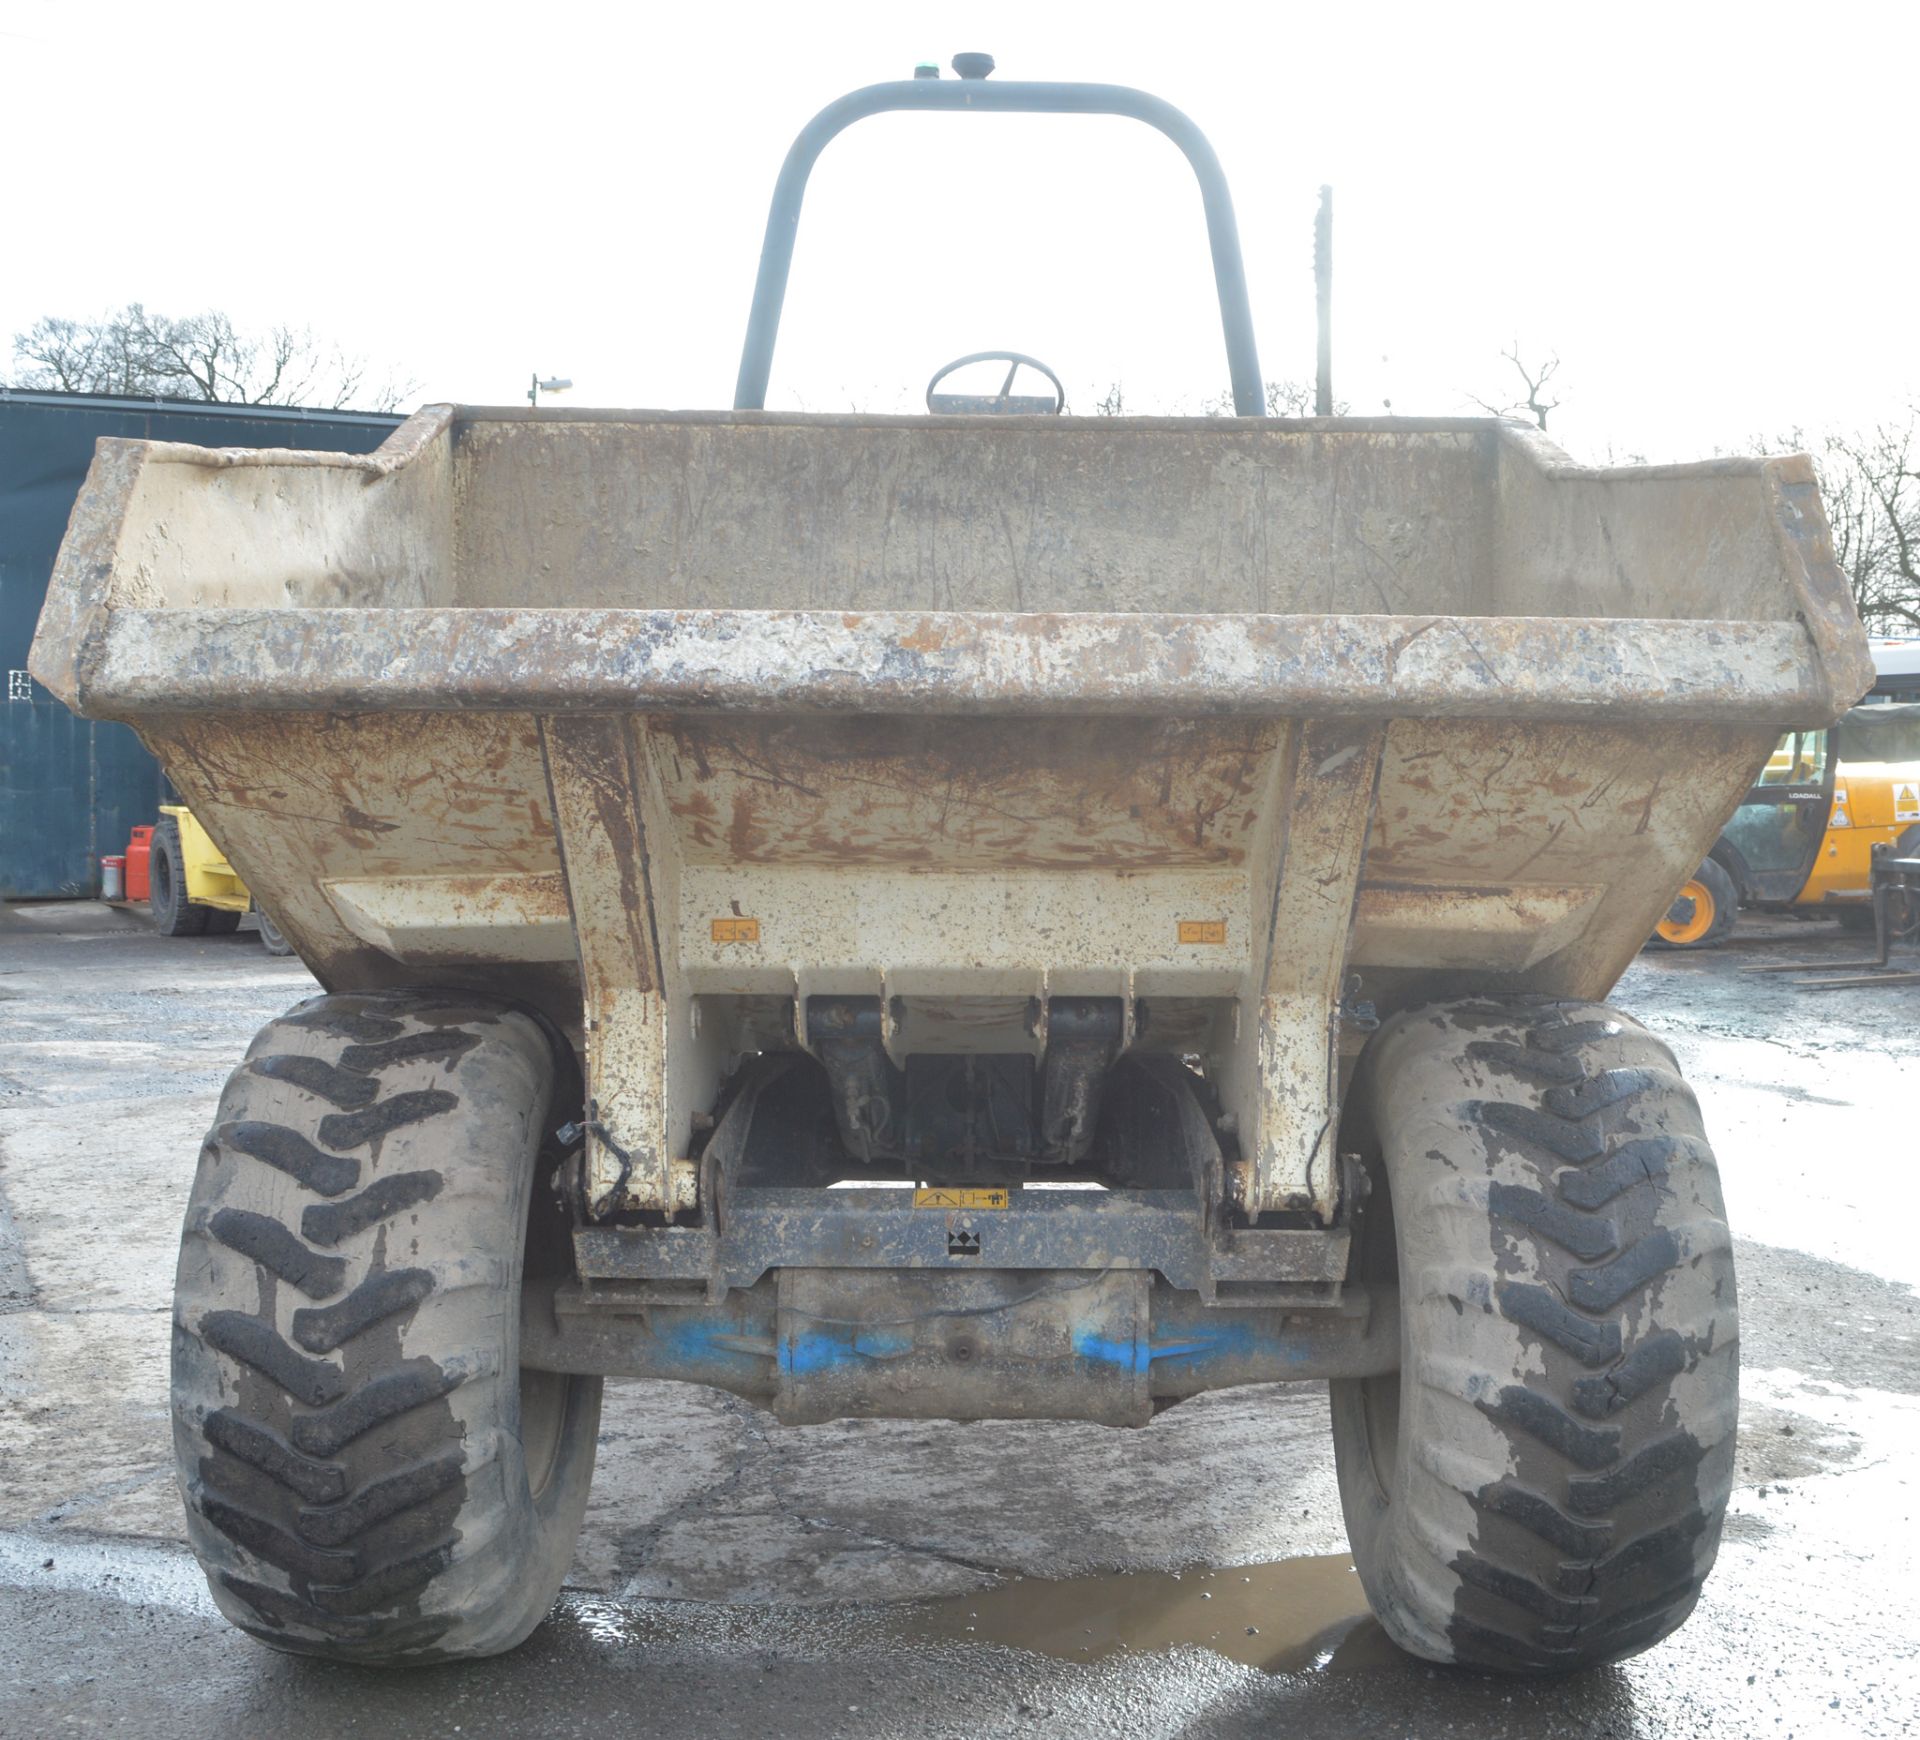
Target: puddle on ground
[1290,1616]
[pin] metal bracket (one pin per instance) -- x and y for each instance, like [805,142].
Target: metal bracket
[1287,1067]
[968,1109]
[636,1135]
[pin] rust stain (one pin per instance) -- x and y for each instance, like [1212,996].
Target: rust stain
[744,840]
[1033,793]
[599,759]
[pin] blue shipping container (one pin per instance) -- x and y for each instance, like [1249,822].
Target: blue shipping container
[71,789]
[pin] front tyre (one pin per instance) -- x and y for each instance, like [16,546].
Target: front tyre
[173,913]
[1702,913]
[1541,1486]
[369,1475]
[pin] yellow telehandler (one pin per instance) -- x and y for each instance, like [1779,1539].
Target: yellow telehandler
[1803,840]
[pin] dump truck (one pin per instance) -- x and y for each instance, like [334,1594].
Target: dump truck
[1002,915]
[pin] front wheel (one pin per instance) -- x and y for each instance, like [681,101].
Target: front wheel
[1702,913]
[1541,1486]
[369,1473]
[173,913]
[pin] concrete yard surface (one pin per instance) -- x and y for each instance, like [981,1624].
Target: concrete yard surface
[907,1578]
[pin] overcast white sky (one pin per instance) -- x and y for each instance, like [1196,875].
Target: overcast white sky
[1706,210]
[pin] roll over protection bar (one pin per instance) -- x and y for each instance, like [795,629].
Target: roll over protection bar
[972,94]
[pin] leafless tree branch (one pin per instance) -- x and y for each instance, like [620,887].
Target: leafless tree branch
[198,356]
[1871,486]
[1534,378]
[1283,399]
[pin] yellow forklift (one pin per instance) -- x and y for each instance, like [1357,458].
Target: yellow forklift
[191,889]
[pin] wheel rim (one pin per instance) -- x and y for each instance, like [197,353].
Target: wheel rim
[1690,916]
[1380,1409]
[544,1396]
[1377,1263]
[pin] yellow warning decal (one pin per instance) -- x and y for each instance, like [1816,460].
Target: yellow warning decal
[726,930]
[1203,930]
[952,1196]
[1906,800]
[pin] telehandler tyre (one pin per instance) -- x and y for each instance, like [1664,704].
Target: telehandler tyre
[369,1474]
[1702,913]
[1541,1485]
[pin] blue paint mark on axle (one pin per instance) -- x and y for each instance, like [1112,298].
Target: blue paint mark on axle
[710,1345]
[1222,1341]
[1129,1355]
[1226,1340]
[816,1350]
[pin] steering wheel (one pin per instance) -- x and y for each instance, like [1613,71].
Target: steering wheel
[1004,403]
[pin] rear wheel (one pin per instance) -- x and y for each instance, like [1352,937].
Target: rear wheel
[1541,1486]
[173,913]
[271,938]
[369,1474]
[1702,913]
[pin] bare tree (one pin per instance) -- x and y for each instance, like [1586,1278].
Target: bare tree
[1297,399]
[1534,377]
[1870,484]
[1283,399]
[197,356]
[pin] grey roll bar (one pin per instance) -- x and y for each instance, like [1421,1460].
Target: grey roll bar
[974,95]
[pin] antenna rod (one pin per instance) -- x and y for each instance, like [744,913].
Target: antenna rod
[1323,301]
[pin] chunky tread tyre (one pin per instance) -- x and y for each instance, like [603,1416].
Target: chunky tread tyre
[1542,1484]
[368,1473]
[173,913]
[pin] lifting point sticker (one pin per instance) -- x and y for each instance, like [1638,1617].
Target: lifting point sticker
[960,1196]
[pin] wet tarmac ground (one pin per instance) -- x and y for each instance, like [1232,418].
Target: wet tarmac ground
[908,1578]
